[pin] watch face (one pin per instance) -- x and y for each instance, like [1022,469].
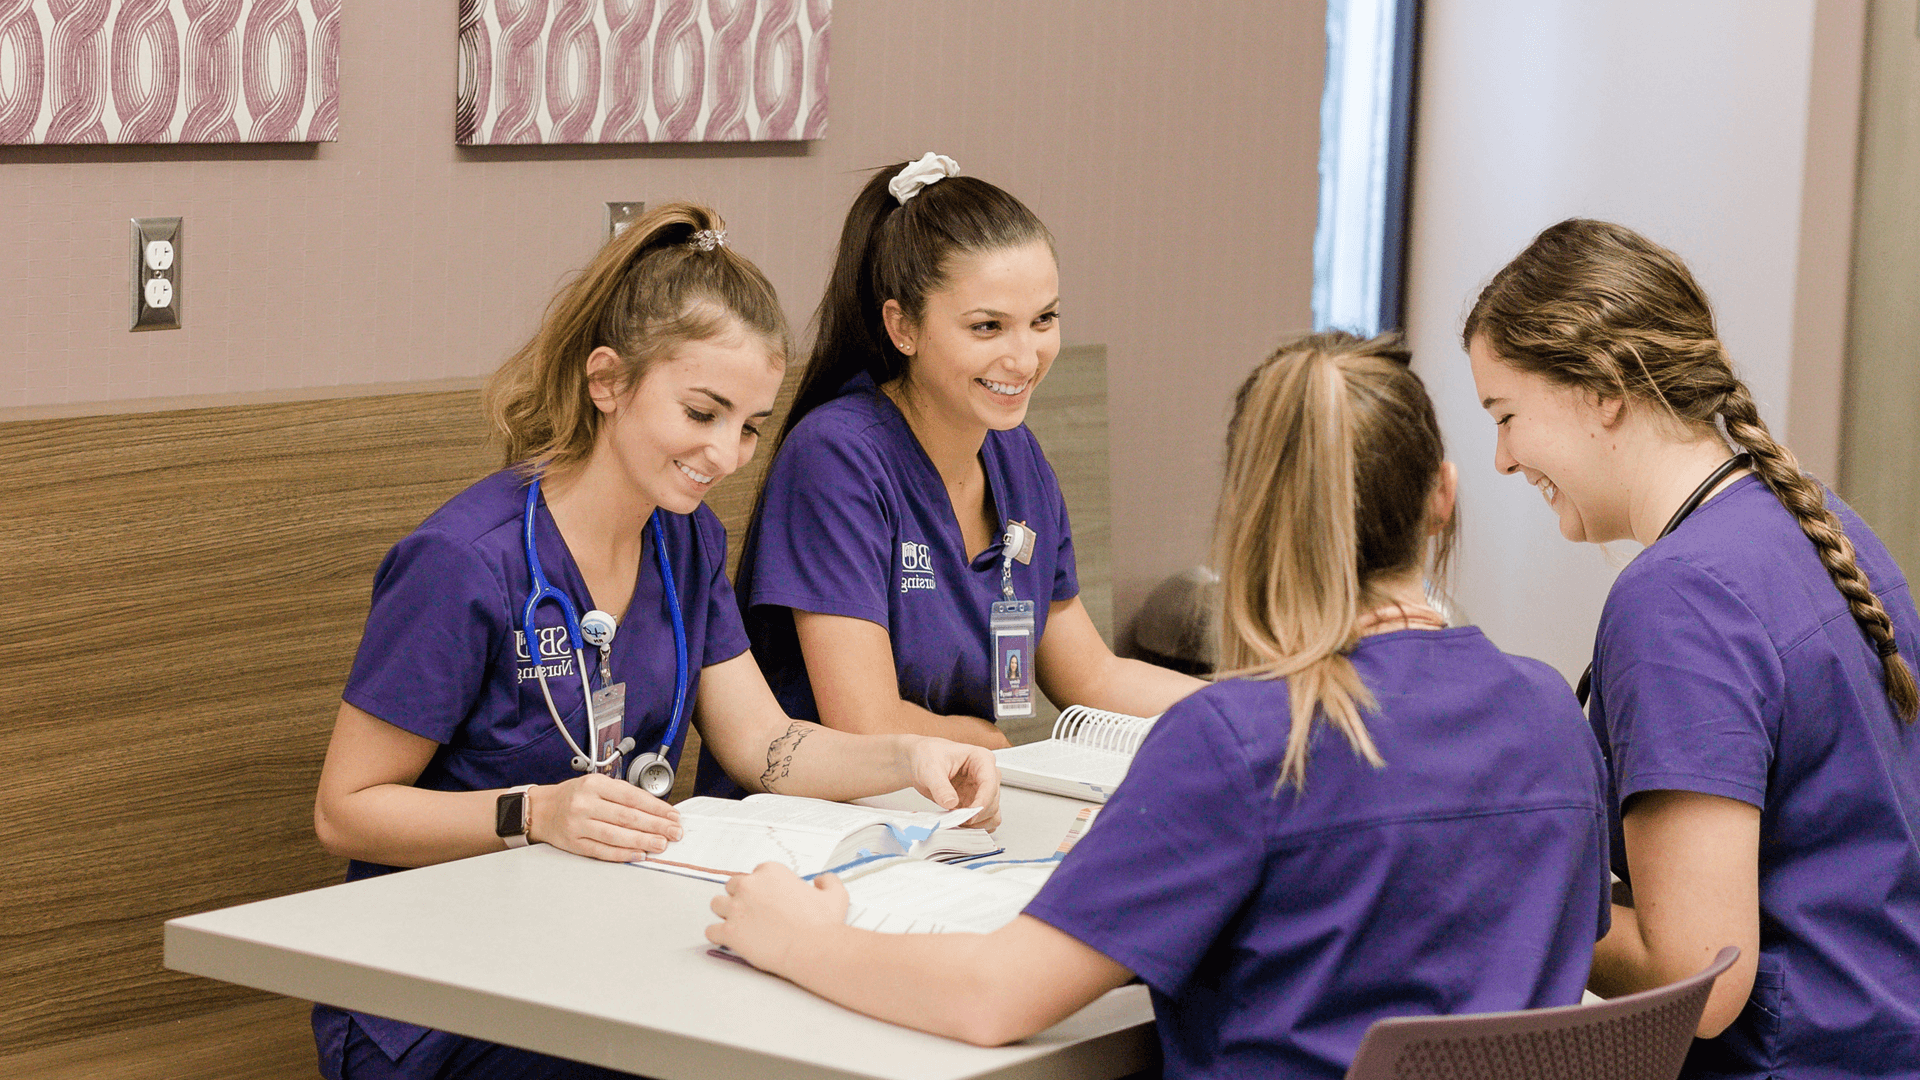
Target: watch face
[510,814]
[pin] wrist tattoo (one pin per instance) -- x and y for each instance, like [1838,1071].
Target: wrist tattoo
[781,750]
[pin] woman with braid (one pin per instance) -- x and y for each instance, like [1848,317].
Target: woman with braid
[1749,681]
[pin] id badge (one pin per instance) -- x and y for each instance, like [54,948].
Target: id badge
[610,717]
[1011,623]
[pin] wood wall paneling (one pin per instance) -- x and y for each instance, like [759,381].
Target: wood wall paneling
[184,591]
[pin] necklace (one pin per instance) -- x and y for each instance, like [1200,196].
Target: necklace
[1408,616]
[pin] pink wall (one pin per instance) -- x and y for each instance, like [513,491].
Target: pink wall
[1171,147]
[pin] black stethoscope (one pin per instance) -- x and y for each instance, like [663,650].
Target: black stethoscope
[1727,468]
[651,772]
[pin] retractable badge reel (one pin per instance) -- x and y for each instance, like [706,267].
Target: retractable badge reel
[608,708]
[1010,623]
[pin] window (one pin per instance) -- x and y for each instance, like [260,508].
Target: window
[1366,158]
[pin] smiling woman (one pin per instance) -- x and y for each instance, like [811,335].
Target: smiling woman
[1749,676]
[469,722]
[910,562]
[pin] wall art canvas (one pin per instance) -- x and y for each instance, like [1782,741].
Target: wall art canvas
[628,71]
[169,71]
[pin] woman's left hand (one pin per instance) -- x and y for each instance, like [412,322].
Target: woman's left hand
[771,910]
[954,774]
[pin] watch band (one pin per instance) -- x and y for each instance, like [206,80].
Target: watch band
[513,830]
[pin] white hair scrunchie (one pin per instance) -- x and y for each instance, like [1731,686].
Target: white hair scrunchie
[930,169]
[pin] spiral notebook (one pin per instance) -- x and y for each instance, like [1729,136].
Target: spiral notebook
[1086,758]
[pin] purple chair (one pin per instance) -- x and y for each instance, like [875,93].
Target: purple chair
[1642,1036]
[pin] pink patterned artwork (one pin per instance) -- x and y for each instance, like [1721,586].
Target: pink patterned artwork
[614,71]
[169,71]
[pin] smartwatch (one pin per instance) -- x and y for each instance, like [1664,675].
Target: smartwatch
[512,815]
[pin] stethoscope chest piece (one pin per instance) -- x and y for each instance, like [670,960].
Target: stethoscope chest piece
[652,773]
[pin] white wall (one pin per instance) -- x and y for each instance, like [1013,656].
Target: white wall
[1702,124]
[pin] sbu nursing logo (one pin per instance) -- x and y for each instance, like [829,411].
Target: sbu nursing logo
[916,566]
[554,646]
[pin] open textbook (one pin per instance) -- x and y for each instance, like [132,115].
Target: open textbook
[899,895]
[1086,758]
[726,837]
[905,896]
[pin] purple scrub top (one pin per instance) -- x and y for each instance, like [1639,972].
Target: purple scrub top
[1727,663]
[855,521]
[1274,925]
[443,657]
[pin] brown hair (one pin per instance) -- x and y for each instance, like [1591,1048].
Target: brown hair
[648,291]
[1600,308]
[891,251]
[1332,457]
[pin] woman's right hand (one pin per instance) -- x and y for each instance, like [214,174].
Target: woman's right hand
[602,818]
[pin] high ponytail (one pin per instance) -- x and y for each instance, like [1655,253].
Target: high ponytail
[649,290]
[1600,308]
[1332,454]
[903,253]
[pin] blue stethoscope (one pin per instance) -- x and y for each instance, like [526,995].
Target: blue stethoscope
[651,772]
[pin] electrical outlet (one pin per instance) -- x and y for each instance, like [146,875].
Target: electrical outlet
[156,274]
[620,215]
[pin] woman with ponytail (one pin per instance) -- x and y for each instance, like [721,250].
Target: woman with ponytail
[1750,677]
[877,559]
[1371,815]
[646,383]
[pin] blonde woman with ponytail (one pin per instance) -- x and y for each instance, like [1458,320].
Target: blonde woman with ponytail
[647,382]
[1374,815]
[1750,675]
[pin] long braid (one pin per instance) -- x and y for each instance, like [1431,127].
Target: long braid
[1600,308]
[1805,500]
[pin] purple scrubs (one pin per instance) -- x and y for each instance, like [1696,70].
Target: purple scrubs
[1273,925]
[443,657]
[856,521]
[1727,663]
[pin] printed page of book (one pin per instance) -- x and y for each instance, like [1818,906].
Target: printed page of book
[839,818]
[909,896]
[725,836]
[716,847]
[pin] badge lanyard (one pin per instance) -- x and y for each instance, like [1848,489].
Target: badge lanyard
[1011,623]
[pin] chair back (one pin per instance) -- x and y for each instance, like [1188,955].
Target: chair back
[1642,1036]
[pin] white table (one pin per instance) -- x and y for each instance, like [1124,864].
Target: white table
[508,947]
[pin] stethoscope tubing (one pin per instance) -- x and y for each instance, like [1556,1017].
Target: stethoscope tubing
[681,668]
[542,590]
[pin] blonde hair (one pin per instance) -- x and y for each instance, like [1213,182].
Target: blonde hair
[648,291]
[1600,308]
[1332,457]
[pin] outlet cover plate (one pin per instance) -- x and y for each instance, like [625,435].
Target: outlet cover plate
[146,232]
[620,215]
